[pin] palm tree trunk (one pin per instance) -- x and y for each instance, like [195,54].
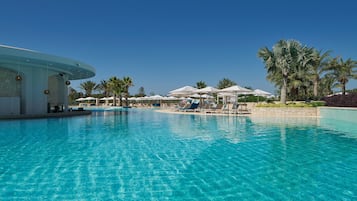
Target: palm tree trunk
[120,100]
[343,89]
[126,96]
[115,100]
[283,91]
[316,83]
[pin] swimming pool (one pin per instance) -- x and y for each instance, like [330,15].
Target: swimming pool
[144,155]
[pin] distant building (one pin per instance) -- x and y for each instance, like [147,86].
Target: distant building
[36,83]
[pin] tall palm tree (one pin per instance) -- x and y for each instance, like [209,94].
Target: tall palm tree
[104,87]
[280,62]
[127,82]
[201,84]
[224,83]
[141,92]
[301,73]
[343,71]
[116,87]
[72,95]
[88,87]
[327,82]
[318,66]
[298,84]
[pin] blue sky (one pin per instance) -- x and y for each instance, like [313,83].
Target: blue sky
[163,45]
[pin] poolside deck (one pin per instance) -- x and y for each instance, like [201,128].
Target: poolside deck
[256,112]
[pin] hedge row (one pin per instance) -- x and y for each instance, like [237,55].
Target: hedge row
[349,100]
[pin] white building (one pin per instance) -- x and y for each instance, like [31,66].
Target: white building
[36,83]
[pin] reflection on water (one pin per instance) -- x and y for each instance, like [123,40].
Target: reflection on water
[234,129]
[231,128]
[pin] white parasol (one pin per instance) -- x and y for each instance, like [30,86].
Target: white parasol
[207,90]
[236,90]
[183,91]
[259,92]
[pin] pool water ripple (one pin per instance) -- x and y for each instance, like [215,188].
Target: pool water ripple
[144,155]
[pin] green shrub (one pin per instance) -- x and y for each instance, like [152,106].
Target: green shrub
[318,103]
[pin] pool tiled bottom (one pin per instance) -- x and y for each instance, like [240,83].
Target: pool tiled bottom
[143,155]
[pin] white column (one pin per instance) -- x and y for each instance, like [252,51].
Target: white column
[35,81]
[66,88]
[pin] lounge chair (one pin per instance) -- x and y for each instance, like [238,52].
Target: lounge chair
[186,106]
[226,108]
[213,108]
[193,107]
[235,107]
[243,109]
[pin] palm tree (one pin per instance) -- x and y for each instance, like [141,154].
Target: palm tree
[141,92]
[280,62]
[104,87]
[318,66]
[327,82]
[343,71]
[88,87]
[301,74]
[72,95]
[298,85]
[224,83]
[115,85]
[201,84]
[127,82]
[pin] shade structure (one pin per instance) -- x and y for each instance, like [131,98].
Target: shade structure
[195,96]
[79,99]
[34,83]
[156,97]
[171,98]
[183,91]
[225,94]
[207,90]
[89,98]
[236,90]
[105,98]
[109,98]
[145,98]
[201,96]
[259,92]
[133,98]
[206,96]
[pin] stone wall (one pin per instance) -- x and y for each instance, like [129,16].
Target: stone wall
[285,112]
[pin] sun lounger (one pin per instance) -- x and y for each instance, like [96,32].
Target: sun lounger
[186,106]
[193,107]
[227,108]
[189,106]
[214,108]
[243,109]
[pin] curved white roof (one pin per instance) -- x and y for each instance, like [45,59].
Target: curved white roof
[13,57]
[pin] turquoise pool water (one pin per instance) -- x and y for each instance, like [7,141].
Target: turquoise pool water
[146,155]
